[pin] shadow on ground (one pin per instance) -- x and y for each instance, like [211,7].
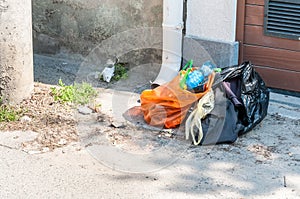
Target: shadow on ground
[262,163]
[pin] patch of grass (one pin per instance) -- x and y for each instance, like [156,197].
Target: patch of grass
[84,93]
[63,94]
[8,113]
[120,72]
[77,94]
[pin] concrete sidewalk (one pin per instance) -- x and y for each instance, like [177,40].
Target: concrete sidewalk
[265,163]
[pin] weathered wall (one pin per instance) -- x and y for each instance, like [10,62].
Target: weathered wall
[80,25]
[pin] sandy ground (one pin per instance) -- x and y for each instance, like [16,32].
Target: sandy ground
[115,159]
[265,163]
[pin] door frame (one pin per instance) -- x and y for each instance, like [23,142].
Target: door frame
[240,27]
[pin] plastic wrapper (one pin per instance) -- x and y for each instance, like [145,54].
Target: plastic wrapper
[167,105]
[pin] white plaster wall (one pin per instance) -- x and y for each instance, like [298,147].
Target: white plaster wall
[212,19]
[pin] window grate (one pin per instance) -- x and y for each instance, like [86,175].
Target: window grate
[282,18]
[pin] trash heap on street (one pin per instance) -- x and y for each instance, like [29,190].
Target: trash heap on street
[215,105]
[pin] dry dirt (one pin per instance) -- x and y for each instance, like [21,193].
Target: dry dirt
[54,122]
[263,163]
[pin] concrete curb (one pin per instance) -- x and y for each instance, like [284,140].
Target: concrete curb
[284,105]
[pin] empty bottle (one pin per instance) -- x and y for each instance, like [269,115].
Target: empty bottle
[194,79]
[207,68]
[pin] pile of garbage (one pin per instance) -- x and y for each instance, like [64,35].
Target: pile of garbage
[215,105]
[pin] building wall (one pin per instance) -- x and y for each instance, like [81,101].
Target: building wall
[79,25]
[212,19]
[210,31]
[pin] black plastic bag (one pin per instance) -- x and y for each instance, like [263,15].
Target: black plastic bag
[241,102]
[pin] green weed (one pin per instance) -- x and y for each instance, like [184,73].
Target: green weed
[8,113]
[77,94]
[84,93]
[120,72]
[63,94]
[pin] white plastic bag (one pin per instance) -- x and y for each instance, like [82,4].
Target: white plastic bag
[204,107]
[108,71]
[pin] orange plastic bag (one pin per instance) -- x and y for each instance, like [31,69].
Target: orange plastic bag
[168,104]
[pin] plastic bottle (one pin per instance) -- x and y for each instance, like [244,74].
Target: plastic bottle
[207,68]
[194,79]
